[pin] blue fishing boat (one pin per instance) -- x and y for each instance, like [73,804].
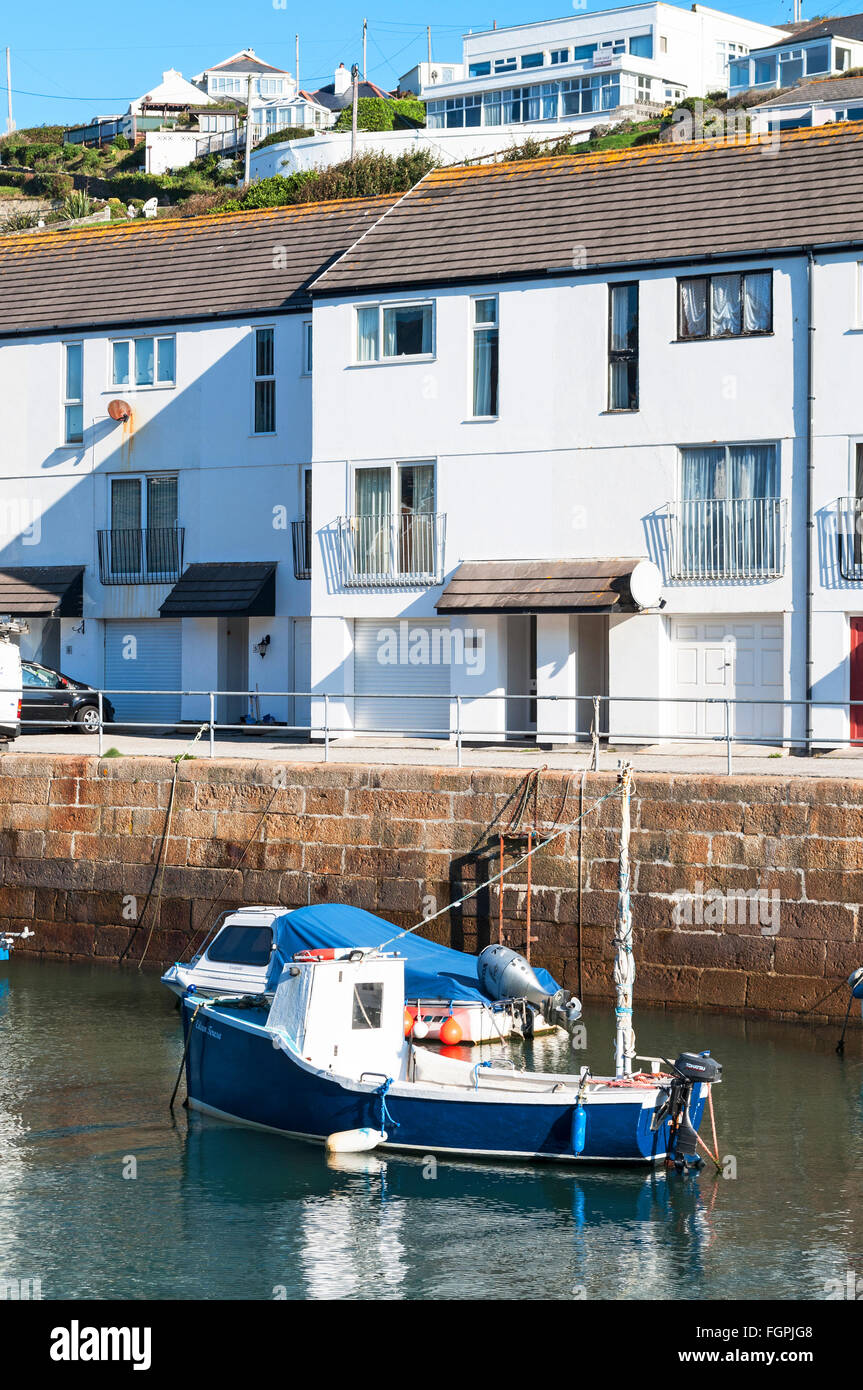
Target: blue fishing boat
[329,1053]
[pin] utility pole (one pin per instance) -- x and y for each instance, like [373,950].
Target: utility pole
[365,32]
[297,62]
[247,170]
[355,73]
[428,37]
[10,124]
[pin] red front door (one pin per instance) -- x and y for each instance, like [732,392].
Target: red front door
[856,693]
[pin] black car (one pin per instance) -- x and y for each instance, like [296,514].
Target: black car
[53,698]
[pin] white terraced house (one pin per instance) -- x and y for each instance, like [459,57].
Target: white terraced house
[582,69]
[449,460]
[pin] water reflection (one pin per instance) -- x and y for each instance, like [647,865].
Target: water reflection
[88,1058]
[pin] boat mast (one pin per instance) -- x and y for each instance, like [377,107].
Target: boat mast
[624,961]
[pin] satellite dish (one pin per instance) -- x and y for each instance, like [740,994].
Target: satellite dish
[119,410]
[151,207]
[645,585]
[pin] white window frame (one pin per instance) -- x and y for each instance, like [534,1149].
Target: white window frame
[474,329]
[256,433]
[394,465]
[131,384]
[382,306]
[308,347]
[70,401]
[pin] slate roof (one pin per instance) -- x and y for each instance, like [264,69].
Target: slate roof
[530,586]
[223,590]
[829,89]
[29,591]
[647,205]
[170,269]
[333,101]
[844,26]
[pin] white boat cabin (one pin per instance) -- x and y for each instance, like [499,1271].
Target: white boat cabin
[236,960]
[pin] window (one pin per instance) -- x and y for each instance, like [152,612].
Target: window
[143,361]
[307,348]
[730,515]
[242,946]
[39,677]
[765,72]
[368,1005]
[623,347]
[144,538]
[485,357]
[531,60]
[663,44]
[725,306]
[394,520]
[641,45]
[559,55]
[790,66]
[265,382]
[504,64]
[843,59]
[583,52]
[388,331]
[479,70]
[73,394]
[818,58]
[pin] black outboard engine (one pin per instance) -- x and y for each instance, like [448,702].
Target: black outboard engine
[688,1068]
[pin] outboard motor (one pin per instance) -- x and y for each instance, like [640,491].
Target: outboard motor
[689,1068]
[504,974]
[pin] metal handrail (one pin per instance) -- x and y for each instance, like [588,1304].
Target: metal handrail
[737,538]
[321,725]
[391,548]
[849,537]
[141,555]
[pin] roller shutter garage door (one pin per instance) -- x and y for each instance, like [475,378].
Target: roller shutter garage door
[728,658]
[402,677]
[151,661]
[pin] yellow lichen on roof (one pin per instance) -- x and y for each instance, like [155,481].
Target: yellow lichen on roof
[165,226]
[638,154]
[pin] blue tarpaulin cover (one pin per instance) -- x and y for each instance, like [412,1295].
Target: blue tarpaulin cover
[431,971]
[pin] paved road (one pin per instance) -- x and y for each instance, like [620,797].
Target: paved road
[692,758]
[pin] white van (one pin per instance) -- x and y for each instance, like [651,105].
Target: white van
[10,686]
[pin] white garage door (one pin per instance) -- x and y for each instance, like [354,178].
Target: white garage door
[397,658]
[726,658]
[140,656]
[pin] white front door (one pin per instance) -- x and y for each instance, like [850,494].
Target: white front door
[718,659]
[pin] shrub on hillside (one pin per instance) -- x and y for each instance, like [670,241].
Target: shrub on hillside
[379,113]
[364,177]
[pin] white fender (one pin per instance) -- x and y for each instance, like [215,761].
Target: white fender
[355,1141]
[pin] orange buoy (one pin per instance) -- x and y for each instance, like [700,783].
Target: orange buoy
[409,1023]
[450,1032]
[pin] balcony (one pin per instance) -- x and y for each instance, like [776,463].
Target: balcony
[153,555]
[849,537]
[393,550]
[728,540]
[301,536]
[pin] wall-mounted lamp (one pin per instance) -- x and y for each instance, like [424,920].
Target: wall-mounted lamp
[80,628]
[261,647]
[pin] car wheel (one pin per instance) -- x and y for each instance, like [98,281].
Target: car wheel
[87,718]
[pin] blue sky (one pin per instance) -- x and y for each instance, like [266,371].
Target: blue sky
[70,62]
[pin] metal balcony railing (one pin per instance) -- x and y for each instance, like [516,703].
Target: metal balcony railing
[153,555]
[739,539]
[301,535]
[849,536]
[405,548]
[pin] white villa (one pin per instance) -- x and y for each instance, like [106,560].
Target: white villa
[548,454]
[581,68]
[230,78]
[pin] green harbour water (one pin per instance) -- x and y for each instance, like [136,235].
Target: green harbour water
[88,1058]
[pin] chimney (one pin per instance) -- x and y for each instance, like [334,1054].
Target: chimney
[342,80]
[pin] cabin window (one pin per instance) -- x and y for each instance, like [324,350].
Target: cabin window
[242,946]
[368,1005]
